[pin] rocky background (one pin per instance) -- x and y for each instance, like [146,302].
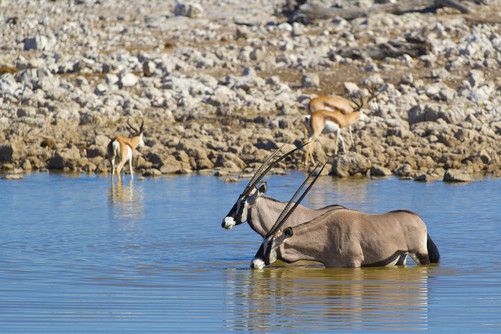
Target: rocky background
[222,83]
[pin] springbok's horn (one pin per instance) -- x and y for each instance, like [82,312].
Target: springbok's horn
[261,173]
[130,126]
[286,212]
[141,126]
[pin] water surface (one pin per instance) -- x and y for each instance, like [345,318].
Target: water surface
[78,255]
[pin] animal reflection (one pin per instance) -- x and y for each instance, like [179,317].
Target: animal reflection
[126,200]
[327,299]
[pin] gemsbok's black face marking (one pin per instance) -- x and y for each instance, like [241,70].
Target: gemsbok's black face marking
[267,253]
[240,210]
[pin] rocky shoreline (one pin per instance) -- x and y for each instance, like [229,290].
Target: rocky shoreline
[222,84]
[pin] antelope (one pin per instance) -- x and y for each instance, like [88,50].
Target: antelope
[260,211]
[330,115]
[123,147]
[348,238]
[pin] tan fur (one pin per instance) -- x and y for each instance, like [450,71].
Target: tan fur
[124,144]
[263,212]
[347,238]
[331,103]
[340,111]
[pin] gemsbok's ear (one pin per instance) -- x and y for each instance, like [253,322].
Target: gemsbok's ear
[262,188]
[288,232]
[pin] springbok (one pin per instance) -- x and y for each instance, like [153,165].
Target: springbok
[330,115]
[123,147]
[348,238]
[260,211]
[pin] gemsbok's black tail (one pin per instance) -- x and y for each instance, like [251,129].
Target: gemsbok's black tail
[433,253]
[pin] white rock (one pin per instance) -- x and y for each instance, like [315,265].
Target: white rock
[8,85]
[111,79]
[101,89]
[128,79]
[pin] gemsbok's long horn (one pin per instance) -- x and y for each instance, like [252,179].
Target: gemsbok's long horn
[286,212]
[260,169]
[265,168]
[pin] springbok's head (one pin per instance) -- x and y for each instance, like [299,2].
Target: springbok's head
[136,131]
[238,213]
[361,99]
[272,242]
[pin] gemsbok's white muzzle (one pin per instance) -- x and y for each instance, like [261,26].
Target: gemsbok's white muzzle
[257,263]
[229,223]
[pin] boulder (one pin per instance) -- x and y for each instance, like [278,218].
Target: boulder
[152,172]
[171,166]
[6,152]
[428,113]
[379,171]
[350,163]
[191,10]
[424,177]
[67,157]
[102,141]
[36,43]
[456,175]
[310,81]
[404,170]
[12,151]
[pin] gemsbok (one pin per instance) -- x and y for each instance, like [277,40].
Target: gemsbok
[330,115]
[261,211]
[348,238]
[123,147]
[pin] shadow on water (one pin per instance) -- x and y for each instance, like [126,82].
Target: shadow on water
[305,298]
[126,200]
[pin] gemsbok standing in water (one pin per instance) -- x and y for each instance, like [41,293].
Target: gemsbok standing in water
[347,238]
[260,211]
[122,147]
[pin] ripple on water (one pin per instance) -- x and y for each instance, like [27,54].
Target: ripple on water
[80,255]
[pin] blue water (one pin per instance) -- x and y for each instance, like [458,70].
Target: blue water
[77,255]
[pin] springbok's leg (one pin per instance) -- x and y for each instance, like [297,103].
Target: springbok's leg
[112,167]
[309,155]
[130,169]
[119,168]
[342,141]
[337,141]
[351,137]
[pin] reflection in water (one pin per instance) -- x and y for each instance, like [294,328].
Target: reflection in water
[343,191]
[324,299]
[126,201]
